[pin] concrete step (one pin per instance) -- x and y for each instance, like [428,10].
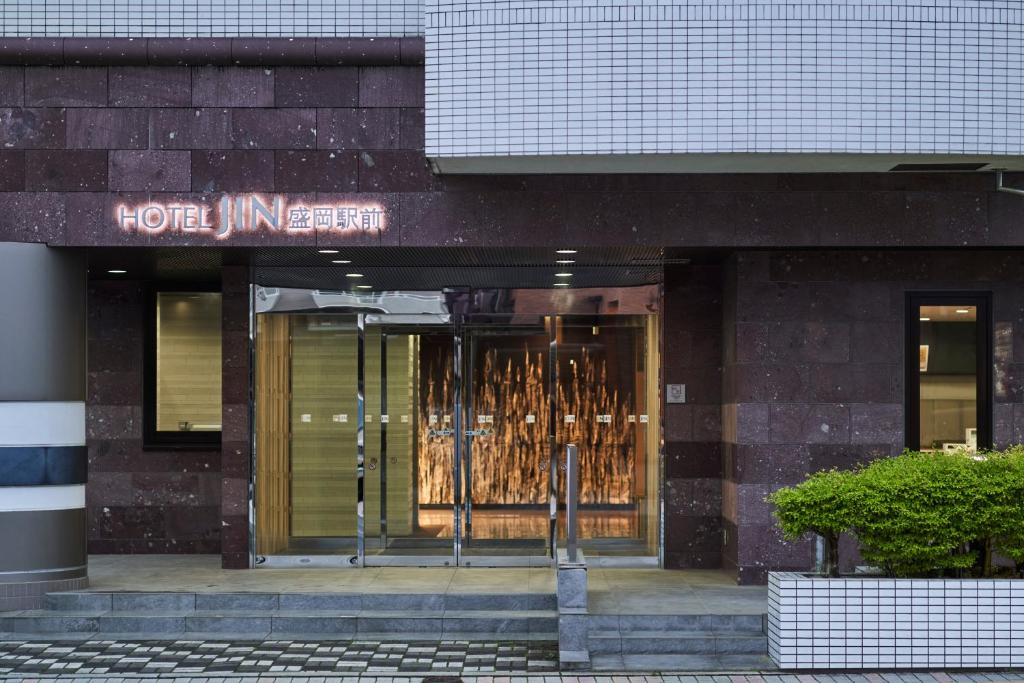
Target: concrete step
[424,624]
[270,602]
[669,642]
[718,623]
[692,664]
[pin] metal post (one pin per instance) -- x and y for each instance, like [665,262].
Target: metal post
[571,499]
[360,438]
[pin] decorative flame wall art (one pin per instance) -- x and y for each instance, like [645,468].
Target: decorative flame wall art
[510,399]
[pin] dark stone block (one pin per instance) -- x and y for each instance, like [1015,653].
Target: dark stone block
[12,171]
[809,342]
[384,86]
[751,342]
[189,51]
[752,423]
[774,466]
[693,460]
[109,488]
[175,488]
[32,51]
[107,128]
[22,128]
[113,422]
[707,422]
[32,217]
[810,423]
[413,50]
[232,171]
[214,86]
[115,388]
[192,522]
[693,560]
[150,86]
[359,129]
[190,129]
[876,342]
[316,170]
[358,51]
[91,223]
[105,51]
[877,423]
[66,171]
[854,382]
[132,170]
[317,87]
[394,171]
[12,86]
[693,497]
[273,51]
[770,382]
[273,128]
[678,422]
[686,534]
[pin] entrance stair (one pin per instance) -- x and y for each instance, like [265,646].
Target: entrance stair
[692,642]
[318,616]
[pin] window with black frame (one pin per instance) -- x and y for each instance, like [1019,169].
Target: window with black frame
[183,370]
[949,361]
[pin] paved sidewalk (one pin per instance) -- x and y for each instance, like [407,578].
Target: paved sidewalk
[555,678]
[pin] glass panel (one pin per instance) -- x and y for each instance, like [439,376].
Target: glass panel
[188,362]
[507,454]
[409,498]
[609,407]
[306,434]
[948,358]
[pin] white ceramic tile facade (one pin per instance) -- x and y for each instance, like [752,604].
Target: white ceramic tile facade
[204,18]
[868,623]
[590,77]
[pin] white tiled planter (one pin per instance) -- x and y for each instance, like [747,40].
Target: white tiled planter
[875,623]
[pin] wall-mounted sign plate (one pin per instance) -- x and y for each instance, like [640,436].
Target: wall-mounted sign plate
[675,393]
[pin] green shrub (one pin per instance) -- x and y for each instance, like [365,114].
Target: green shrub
[819,505]
[917,514]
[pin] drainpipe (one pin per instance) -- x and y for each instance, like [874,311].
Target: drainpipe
[1002,188]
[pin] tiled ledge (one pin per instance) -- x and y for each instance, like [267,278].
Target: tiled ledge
[211,51]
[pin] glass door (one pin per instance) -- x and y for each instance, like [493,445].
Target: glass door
[506,451]
[355,438]
[608,405]
[408,463]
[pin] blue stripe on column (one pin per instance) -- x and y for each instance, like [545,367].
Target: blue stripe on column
[43,465]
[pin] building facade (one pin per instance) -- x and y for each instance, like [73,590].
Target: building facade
[338,286]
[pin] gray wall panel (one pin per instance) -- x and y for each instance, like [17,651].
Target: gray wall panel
[42,540]
[42,335]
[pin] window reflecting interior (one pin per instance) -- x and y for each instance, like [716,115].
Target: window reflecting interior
[188,362]
[948,359]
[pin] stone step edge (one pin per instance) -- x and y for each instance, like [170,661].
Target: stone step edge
[676,635]
[285,614]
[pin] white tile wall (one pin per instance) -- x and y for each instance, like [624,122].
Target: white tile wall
[590,77]
[205,18]
[867,623]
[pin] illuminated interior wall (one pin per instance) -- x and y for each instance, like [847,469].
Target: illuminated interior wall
[188,359]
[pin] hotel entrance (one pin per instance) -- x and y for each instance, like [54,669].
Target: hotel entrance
[427,428]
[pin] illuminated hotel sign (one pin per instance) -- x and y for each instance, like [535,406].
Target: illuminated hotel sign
[249,213]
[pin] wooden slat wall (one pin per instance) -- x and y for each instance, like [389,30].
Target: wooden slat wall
[273,488]
[188,358]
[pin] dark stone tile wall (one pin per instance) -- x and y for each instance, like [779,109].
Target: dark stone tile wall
[76,135]
[138,501]
[236,448]
[813,374]
[692,333]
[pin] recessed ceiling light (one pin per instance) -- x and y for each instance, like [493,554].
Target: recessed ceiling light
[924,320]
[566,251]
[561,284]
[341,261]
[328,251]
[364,286]
[563,274]
[565,262]
[963,310]
[353,274]
[117,271]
